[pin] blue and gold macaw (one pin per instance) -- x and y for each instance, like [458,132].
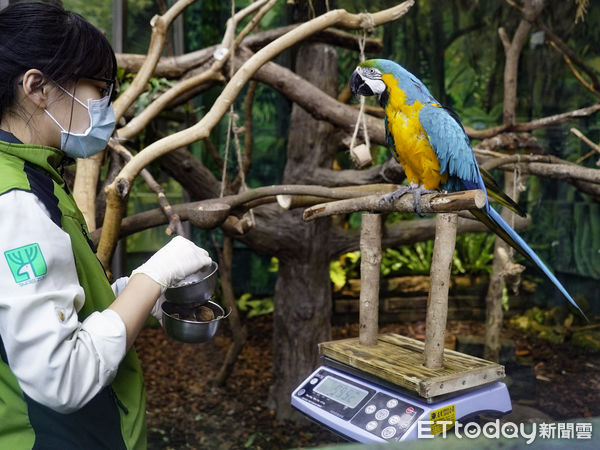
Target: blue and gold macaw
[434,149]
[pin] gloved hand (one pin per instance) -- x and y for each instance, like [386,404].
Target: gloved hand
[175,261]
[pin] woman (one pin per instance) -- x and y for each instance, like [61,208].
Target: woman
[69,377]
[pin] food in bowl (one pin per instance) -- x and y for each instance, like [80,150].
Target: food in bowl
[192,329]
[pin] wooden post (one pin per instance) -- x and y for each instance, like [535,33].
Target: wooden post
[370,266]
[437,302]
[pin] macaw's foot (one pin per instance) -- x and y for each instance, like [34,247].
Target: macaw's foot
[415,189]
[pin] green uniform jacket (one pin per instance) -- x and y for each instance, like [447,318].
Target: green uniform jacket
[115,417]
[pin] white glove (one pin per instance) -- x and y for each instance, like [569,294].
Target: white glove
[175,261]
[156,311]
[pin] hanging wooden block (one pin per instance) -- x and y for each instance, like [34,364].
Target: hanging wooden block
[361,156]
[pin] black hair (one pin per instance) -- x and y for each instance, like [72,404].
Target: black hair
[59,43]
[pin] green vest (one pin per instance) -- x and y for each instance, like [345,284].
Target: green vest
[34,169]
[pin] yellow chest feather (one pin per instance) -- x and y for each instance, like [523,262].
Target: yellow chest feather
[412,147]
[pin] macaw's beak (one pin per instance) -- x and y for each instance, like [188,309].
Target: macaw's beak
[358,86]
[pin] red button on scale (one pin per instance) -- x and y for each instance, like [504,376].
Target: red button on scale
[410,410]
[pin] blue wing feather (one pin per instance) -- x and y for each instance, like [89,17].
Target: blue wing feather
[452,147]
[496,223]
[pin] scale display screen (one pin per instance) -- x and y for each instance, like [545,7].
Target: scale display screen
[341,392]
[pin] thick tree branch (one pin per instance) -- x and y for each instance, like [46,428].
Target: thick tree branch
[212,212]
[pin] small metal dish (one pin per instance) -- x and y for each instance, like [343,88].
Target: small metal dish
[197,288]
[191,331]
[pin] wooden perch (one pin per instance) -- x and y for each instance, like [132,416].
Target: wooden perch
[437,301]
[430,203]
[370,268]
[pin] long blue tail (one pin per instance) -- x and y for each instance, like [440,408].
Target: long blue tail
[497,224]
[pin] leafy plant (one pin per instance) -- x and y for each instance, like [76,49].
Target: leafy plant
[407,259]
[346,266]
[255,307]
[474,253]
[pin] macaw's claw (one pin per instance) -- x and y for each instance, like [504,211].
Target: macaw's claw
[391,198]
[415,189]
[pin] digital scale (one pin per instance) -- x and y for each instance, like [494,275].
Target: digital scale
[365,408]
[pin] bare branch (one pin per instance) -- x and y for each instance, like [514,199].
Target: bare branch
[586,140]
[430,203]
[557,118]
[200,130]
[534,124]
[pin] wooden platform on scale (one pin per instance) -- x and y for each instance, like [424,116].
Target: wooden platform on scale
[399,360]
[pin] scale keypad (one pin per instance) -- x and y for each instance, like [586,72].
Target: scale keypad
[386,416]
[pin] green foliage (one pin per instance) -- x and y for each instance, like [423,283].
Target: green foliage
[255,307]
[156,86]
[473,255]
[557,325]
[412,259]
[346,266]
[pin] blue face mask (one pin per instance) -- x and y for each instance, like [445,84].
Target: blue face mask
[96,137]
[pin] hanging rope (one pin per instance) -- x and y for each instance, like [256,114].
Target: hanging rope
[361,155]
[226,156]
[232,127]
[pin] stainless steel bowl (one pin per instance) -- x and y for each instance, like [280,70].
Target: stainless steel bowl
[197,288]
[191,331]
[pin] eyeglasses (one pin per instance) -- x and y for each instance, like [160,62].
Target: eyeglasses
[109,90]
